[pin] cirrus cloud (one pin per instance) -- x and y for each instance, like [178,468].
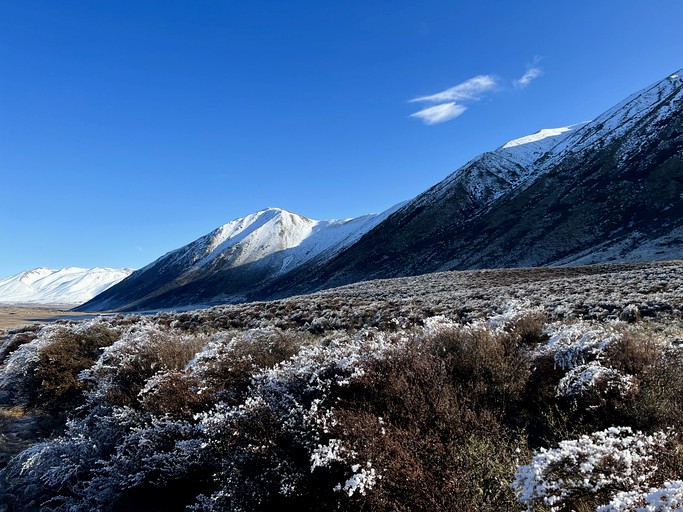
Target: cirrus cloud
[533,71]
[468,90]
[440,113]
[450,101]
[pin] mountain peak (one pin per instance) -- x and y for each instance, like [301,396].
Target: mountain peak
[68,286]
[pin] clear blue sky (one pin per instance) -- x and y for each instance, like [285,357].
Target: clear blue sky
[130,128]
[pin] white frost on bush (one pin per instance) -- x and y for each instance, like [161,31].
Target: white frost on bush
[575,344]
[437,324]
[325,454]
[361,481]
[512,310]
[615,459]
[20,363]
[669,498]
[583,378]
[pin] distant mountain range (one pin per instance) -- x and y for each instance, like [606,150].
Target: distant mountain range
[67,287]
[609,190]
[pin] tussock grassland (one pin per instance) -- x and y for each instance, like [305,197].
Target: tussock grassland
[15,316]
[529,389]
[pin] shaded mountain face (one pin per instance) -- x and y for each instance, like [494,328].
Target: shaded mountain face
[67,286]
[607,190]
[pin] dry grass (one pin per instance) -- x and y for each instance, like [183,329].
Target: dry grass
[14,316]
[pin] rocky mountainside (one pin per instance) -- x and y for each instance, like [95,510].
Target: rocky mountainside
[67,286]
[608,190]
[605,191]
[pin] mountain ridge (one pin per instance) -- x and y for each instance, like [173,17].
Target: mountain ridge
[67,286]
[606,190]
[241,254]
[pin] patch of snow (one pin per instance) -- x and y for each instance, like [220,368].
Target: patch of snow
[67,286]
[271,236]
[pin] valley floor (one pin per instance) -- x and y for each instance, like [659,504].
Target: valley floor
[14,316]
[542,389]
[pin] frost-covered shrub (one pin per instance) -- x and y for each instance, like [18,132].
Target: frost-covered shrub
[594,384]
[594,469]
[576,344]
[44,372]
[158,465]
[226,365]
[52,473]
[60,363]
[668,498]
[123,368]
[272,446]
[244,408]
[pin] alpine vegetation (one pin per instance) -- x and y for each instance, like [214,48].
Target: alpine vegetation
[485,390]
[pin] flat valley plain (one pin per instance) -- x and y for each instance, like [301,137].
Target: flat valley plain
[14,316]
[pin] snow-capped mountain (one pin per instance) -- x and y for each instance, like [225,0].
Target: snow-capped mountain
[607,190]
[235,258]
[68,286]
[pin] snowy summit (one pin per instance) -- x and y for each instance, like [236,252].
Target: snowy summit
[68,286]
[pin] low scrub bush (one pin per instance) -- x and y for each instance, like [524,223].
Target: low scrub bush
[596,469]
[281,405]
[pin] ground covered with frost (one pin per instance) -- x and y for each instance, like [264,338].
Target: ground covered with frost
[544,390]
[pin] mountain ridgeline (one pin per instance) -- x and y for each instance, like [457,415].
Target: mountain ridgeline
[610,190]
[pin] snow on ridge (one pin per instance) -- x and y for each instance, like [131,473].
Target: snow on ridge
[272,236]
[67,286]
[539,135]
[618,120]
[492,173]
[274,230]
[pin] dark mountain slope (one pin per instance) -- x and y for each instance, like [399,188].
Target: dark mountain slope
[607,190]
[611,190]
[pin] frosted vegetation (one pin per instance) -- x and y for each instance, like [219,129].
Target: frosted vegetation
[544,390]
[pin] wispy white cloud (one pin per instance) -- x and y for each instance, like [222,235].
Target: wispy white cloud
[440,113]
[533,71]
[468,90]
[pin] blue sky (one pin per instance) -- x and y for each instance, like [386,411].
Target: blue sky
[130,128]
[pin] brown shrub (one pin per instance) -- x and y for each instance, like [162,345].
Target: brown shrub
[489,367]
[161,351]
[175,394]
[528,328]
[658,403]
[59,364]
[432,445]
[633,353]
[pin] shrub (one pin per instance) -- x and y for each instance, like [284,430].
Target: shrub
[488,366]
[431,446]
[60,363]
[585,473]
[123,368]
[227,367]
